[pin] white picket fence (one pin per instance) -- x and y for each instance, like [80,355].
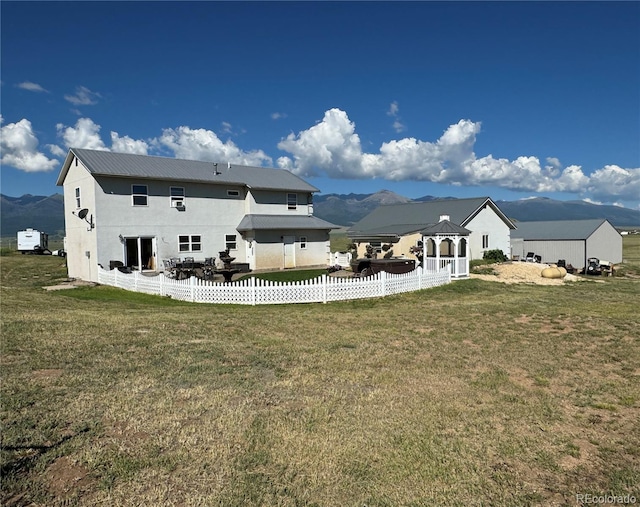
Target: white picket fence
[254,291]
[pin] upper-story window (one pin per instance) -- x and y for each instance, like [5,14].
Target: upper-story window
[140,195]
[485,241]
[230,242]
[233,193]
[303,242]
[177,197]
[78,198]
[292,201]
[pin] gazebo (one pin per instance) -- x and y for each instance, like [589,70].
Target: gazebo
[445,245]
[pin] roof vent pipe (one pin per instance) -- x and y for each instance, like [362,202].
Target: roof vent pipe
[215,169]
[444,217]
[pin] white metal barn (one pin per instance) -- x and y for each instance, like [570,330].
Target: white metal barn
[571,240]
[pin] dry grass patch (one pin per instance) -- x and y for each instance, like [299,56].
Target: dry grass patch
[476,393]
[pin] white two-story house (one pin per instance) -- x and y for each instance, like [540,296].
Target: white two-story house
[139,210]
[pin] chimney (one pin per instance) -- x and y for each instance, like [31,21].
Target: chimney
[444,217]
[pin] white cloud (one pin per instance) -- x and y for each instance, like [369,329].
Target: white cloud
[201,144]
[55,150]
[333,148]
[19,147]
[86,134]
[278,116]
[128,145]
[393,111]
[330,146]
[83,97]
[32,87]
[613,180]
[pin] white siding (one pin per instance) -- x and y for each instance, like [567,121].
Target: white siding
[551,251]
[488,222]
[605,244]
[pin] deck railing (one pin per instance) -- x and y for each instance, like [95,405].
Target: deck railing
[459,266]
[255,291]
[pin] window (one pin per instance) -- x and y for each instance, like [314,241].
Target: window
[303,242]
[78,198]
[292,201]
[139,194]
[177,197]
[485,241]
[191,243]
[233,193]
[230,242]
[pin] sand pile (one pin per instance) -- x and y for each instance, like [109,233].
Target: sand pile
[523,272]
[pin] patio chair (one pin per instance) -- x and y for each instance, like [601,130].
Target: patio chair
[208,268]
[169,268]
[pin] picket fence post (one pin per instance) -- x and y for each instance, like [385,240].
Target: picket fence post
[252,285]
[325,279]
[192,288]
[383,283]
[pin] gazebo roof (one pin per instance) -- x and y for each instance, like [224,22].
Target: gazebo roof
[445,228]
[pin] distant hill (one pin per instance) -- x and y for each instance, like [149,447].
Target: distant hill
[542,209]
[347,209]
[47,213]
[36,211]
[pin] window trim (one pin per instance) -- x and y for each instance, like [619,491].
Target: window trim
[193,243]
[231,244]
[139,194]
[173,199]
[292,201]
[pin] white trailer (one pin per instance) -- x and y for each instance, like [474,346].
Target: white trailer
[34,242]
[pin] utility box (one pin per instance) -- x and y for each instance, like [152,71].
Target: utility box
[33,242]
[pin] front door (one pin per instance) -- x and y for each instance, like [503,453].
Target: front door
[289,251]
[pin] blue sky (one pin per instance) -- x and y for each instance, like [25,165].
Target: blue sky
[506,99]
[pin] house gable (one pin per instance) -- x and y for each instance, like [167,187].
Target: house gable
[401,219]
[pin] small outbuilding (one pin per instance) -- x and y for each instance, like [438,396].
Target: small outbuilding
[573,241]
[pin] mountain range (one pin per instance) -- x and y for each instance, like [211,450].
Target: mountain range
[345,210]
[47,213]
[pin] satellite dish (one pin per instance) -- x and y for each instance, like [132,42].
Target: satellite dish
[83,213]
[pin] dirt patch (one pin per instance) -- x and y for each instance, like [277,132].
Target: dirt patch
[47,374]
[66,478]
[523,272]
[69,284]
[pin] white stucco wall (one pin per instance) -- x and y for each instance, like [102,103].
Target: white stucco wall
[269,249]
[488,222]
[209,212]
[81,240]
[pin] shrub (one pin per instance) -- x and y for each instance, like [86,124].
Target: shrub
[495,256]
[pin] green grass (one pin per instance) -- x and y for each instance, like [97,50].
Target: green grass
[475,393]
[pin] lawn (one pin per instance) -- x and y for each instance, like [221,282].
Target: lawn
[472,394]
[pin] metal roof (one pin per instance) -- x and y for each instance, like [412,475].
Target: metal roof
[445,228]
[557,229]
[126,165]
[278,222]
[415,216]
